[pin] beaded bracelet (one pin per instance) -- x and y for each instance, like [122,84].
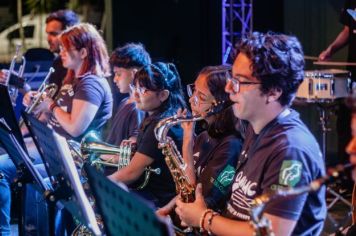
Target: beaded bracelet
[202,219]
[210,221]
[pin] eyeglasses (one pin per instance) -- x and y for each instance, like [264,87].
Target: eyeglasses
[63,49]
[196,99]
[138,89]
[236,83]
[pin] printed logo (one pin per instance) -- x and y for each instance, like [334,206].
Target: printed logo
[290,173]
[225,177]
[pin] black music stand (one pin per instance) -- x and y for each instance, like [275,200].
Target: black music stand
[124,213]
[58,161]
[7,113]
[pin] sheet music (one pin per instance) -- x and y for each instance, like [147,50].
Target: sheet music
[72,173]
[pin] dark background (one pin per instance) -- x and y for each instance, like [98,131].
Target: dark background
[188,33]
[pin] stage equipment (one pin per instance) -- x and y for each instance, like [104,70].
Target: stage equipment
[324,85]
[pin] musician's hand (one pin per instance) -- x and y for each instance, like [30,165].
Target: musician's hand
[325,55]
[167,209]
[43,107]
[110,158]
[163,211]
[188,127]
[27,99]
[190,213]
[3,77]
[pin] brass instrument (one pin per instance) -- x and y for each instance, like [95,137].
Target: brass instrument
[91,147]
[173,158]
[261,224]
[48,90]
[13,90]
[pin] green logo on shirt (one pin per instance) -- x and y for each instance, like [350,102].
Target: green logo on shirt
[290,173]
[225,177]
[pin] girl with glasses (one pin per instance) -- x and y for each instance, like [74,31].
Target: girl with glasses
[211,156]
[157,91]
[85,101]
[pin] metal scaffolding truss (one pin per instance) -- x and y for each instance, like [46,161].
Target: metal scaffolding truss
[236,22]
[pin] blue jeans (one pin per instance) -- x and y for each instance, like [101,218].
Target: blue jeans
[8,169]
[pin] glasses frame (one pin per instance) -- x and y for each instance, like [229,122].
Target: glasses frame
[196,100]
[138,89]
[236,83]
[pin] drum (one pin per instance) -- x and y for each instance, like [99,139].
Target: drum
[324,85]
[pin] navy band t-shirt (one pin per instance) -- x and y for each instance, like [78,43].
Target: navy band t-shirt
[284,154]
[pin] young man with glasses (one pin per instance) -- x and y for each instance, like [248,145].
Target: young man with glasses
[278,152]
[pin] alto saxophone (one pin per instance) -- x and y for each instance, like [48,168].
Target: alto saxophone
[173,158]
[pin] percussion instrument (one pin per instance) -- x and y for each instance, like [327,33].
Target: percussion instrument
[324,85]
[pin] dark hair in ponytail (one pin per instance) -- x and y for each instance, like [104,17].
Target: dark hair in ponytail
[160,76]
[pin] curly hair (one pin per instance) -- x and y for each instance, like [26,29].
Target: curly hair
[277,62]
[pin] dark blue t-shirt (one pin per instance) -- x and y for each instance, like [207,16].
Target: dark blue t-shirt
[215,162]
[92,89]
[125,123]
[284,154]
[160,188]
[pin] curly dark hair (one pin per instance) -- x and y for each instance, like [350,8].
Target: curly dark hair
[131,55]
[277,61]
[159,76]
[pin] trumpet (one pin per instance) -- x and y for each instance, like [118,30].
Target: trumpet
[13,89]
[45,89]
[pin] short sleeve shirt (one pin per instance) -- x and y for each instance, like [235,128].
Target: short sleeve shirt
[284,154]
[216,159]
[125,123]
[92,89]
[348,18]
[160,188]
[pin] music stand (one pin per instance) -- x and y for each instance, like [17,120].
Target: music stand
[58,160]
[15,150]
[124,213]
[8,113]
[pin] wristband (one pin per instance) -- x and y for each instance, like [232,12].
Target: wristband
[202,219]
[210,221]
